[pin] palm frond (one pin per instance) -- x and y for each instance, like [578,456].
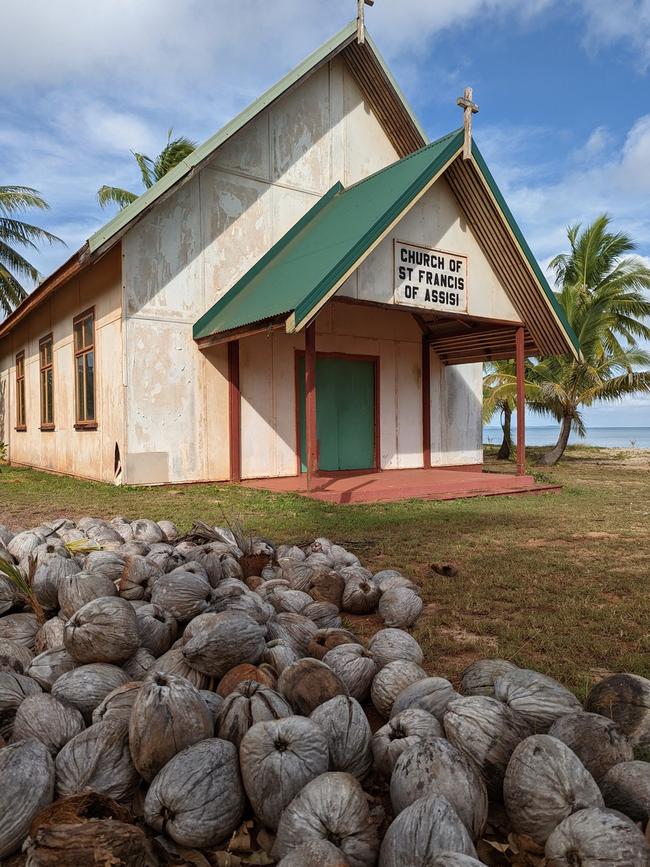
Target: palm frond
[10,258]
[25,234]
[24,585]
[146,166]
[82,546]
[11,291]
[115,195]
[15,198]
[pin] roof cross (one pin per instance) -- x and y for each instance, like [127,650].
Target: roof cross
[469,108]
[361,19]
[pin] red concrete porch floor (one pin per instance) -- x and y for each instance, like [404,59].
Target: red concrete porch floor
[393,485]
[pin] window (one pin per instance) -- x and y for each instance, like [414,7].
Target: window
[84,365]
[46,360]
[21,418]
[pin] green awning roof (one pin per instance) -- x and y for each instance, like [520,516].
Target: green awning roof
[319,251]
[310,263]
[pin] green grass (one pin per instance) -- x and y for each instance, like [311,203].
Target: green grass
[558,582]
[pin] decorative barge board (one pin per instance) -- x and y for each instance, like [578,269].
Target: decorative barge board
[310,295]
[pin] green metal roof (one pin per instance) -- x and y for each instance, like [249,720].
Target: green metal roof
[330,48]
[302,269]
[310,263]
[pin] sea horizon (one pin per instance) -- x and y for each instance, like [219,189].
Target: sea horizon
[633,437]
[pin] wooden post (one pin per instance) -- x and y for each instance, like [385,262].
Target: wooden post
[311,426]
[426,402]
[234,411]
[520,363]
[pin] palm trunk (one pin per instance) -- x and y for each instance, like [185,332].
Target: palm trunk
[550,458]
[506,446]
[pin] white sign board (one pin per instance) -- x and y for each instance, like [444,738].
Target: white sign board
[431,279]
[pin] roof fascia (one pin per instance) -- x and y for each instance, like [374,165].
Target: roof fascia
[398,90]
[533,266]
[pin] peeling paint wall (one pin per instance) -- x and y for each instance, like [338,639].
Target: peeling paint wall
[195,245]
[436,221]
[88,453]
[456,413]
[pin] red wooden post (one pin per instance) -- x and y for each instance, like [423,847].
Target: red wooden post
[311,427]
[234,411]
[426,402]
[521,402]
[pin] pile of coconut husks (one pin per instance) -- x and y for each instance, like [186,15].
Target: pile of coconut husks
[200,701]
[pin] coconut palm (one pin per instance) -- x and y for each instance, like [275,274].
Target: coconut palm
[151,170]
[498,399]
[14,200]
[604,294]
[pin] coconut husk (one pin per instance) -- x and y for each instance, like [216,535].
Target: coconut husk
[80,808]
[252,564]
[263,674]
[98,843]
[326,639]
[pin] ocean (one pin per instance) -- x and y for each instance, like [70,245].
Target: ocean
[609,437]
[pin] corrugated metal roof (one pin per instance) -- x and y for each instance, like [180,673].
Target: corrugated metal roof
[311,261]
[401,113]
[306,267]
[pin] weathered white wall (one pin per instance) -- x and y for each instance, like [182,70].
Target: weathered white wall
[88,453]
[456,413]
[436,221]
[194,246]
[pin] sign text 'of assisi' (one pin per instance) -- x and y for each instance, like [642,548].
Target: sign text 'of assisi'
[432,279]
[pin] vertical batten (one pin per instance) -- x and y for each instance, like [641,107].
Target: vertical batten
[234,405]
[521,402]
[310,403]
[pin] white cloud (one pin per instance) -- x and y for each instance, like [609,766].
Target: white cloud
[599,140]
[624,22]
[614,179]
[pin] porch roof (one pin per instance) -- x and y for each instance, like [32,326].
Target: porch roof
[300,273]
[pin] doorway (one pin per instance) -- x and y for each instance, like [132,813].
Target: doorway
[346,412]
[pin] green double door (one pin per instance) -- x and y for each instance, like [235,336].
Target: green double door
[345,413]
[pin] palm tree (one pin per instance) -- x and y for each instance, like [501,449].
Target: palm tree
[151,170]
[497,398]
[14,200]
[603,292]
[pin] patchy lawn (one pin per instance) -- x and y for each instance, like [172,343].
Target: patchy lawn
[558,582]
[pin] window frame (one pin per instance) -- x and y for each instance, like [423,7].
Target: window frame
[88,423]
[43,369]
[21,410]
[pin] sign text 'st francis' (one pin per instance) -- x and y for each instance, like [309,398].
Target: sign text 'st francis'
[428,278]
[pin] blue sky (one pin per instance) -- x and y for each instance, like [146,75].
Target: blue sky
[563,87]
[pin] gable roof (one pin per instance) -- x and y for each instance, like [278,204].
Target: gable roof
[311,262]
[377,84]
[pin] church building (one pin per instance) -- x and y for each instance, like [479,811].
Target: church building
[312,291]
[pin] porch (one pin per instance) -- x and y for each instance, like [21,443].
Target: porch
[390,486]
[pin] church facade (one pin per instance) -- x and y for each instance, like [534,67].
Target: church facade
[313,290]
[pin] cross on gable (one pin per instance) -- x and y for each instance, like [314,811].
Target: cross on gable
[361,16]
[469,108]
